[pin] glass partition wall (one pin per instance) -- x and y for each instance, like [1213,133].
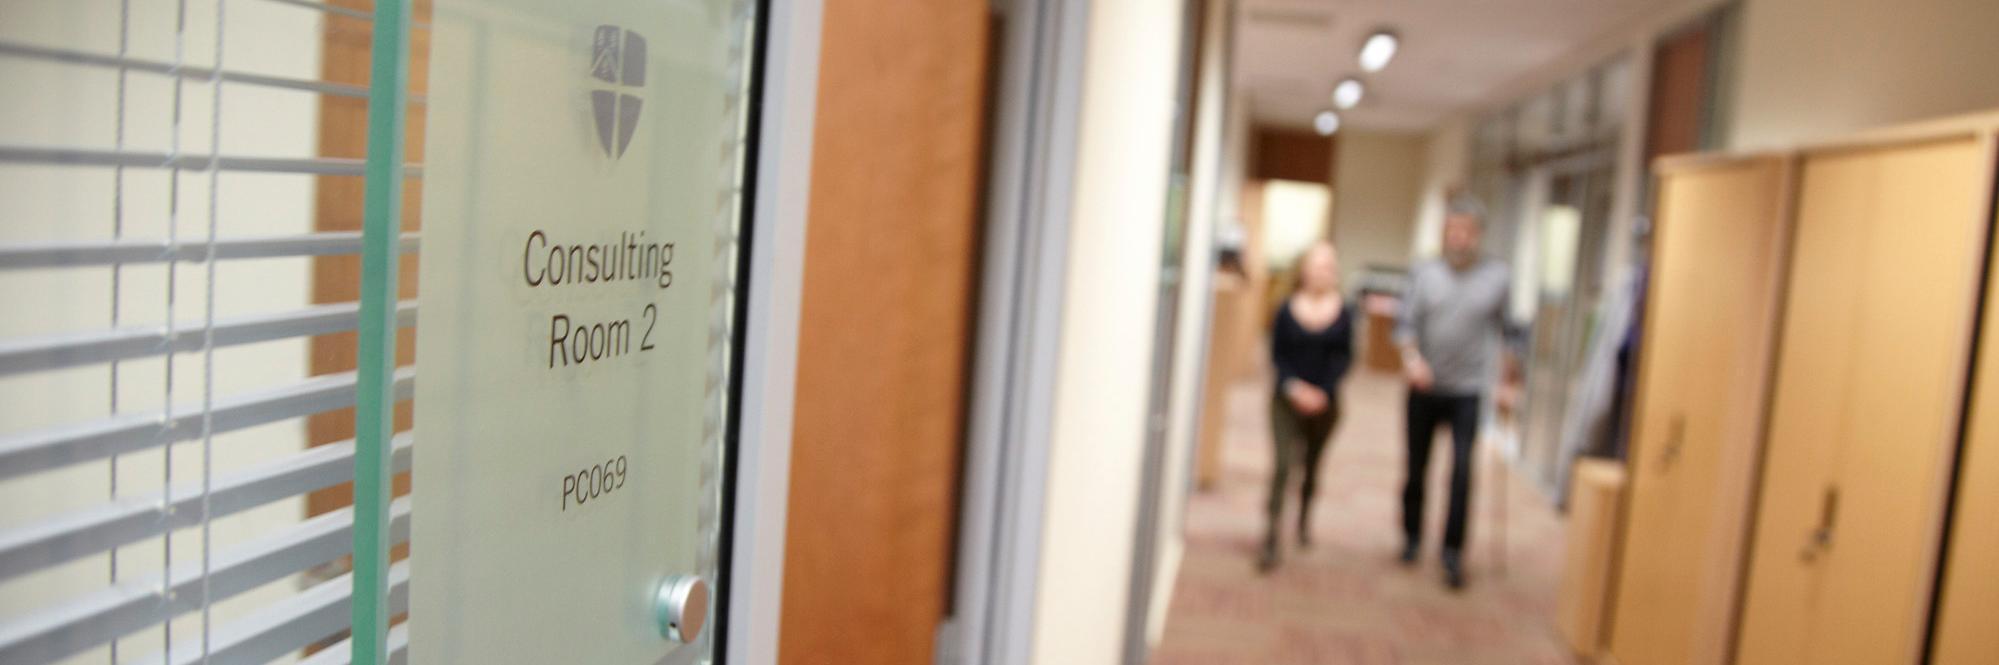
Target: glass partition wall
[1545,172]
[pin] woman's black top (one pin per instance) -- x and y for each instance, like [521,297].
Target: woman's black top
[1320,357]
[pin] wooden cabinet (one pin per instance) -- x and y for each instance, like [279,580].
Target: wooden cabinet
[1380,350]
[1232,359]
[1596,489]
[1701,394]
[1887,259]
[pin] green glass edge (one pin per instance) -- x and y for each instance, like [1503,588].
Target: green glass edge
[374,415]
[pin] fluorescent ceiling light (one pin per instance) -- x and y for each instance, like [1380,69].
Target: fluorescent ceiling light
[1326,123]
[1347,94]
[1378,50]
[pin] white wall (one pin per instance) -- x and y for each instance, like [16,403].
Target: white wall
[1814,69]
[1447,164]
[1102,382]
[1190,334]
[1378,180]
[70,106]
[1294,216]
[1450,143]
[1804,70]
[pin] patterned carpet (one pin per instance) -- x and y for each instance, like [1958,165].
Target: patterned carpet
[1347,600]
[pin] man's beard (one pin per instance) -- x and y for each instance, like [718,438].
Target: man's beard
[1461,258]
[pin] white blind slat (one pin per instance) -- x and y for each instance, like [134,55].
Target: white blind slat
[100,617]
[50,448]
[70,254]
[99,528]
[341,653]
[50,352]
[287,625]
[186,161]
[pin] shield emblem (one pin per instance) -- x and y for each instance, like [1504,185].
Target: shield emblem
[618,59]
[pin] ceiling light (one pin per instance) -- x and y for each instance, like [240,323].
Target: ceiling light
[1326,123]
[1347,94]
[1378,50]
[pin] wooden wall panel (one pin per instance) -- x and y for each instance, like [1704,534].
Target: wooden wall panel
[1287,154]
[1231,342]
[1679,93]
[1235,328]
[885,330]
[343,133]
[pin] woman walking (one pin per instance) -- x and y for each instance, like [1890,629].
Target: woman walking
[1311,345]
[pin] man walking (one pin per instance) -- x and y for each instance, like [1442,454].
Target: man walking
[1452,319]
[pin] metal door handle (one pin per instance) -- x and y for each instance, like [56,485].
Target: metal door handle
[681,607]
[1676,438]
[1820,539]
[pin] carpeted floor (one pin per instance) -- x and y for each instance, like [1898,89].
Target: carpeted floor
[1347,600]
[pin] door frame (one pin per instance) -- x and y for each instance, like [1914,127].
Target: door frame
[1035,116]
[1183,269]
[786,85]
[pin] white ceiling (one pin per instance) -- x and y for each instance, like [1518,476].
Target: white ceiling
[1455,54]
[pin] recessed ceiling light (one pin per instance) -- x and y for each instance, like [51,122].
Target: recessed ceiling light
[1326,123]
[1347,93]
[1378,50]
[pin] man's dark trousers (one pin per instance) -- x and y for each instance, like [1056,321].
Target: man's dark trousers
[1426,411]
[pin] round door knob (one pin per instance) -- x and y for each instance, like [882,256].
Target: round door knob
[681,606]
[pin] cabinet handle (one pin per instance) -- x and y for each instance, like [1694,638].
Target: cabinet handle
[1821,537]
[1676,437]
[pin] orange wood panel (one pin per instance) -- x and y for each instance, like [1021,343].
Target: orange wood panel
[1679,92]
[885,334]
[1700,406]
[1288,154]
[343,132]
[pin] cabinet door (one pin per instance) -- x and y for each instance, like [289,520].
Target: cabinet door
[1876,338]
[1969,606]
[1701,388]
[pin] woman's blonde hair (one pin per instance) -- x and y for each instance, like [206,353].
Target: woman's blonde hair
[1298,269]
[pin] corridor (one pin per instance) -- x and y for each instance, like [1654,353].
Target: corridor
[1347,601]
